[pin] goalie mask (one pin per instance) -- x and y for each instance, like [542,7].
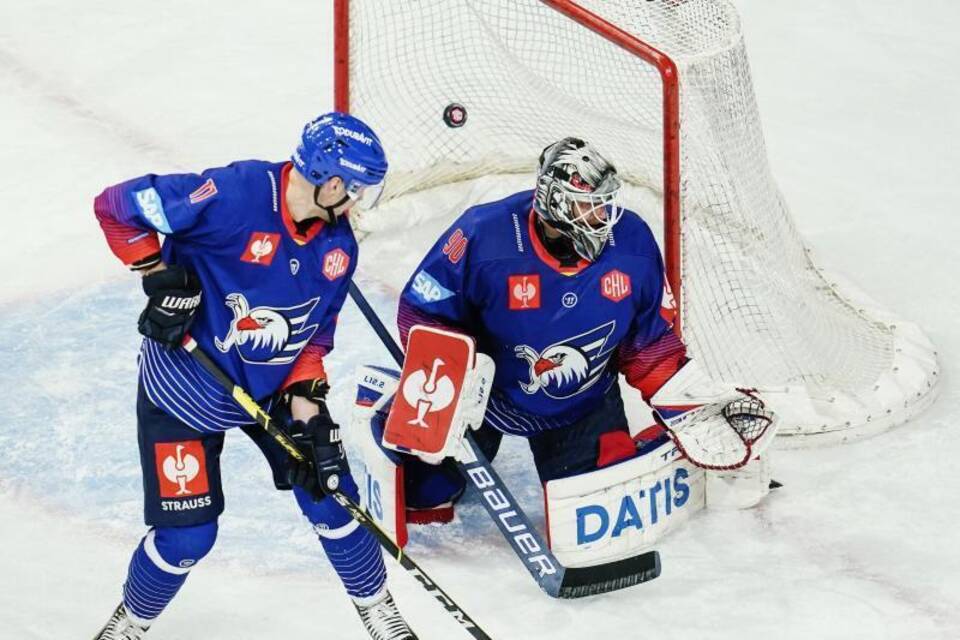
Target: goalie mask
[578,194]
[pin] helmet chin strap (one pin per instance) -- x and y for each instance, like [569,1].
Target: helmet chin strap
[331,209]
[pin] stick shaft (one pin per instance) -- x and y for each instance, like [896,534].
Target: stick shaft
[356,512]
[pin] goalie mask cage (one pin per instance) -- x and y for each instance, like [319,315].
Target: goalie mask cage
[663,89]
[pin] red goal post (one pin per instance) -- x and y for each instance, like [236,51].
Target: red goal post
[663,88]
[616,35]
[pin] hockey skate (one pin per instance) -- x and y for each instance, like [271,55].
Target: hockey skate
[382,620]
[120,627]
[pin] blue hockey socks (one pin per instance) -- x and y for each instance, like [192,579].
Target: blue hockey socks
[354,553]
[160,565]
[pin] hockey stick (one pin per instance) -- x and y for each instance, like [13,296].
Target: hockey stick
[555,579]
[264,420]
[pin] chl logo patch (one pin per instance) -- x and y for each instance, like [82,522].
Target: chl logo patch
[615,285]
[181,469]
[261,248]
[335,264]
[524,292]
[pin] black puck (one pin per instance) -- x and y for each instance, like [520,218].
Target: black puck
[455,115]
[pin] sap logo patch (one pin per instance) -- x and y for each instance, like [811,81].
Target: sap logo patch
[151,206]
[261,248]
[426,288]
[523,292]
[595,522]
[335,264]
[181,469]
[615,285]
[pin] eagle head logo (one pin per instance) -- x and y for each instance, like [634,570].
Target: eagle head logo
[568,367]
[266,335]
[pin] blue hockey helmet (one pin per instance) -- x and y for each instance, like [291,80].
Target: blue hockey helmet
[340,145]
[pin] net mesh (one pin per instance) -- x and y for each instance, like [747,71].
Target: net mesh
[756,310]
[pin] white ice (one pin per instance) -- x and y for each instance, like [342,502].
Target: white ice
[860,101]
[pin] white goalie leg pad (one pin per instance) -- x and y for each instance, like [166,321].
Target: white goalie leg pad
[617,512]
[380,473]
[740,488]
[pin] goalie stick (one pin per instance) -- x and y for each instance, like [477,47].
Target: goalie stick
[264,420]
[514,524]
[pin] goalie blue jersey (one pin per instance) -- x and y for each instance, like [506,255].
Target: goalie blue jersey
[271,289]
[559,334]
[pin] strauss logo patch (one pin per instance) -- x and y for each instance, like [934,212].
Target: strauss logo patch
[261,248]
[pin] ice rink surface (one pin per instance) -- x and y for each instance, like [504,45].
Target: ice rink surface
[860,101]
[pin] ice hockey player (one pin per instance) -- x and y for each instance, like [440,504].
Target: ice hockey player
[564,289]
[255,263]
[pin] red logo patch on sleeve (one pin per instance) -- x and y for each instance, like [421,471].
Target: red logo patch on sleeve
[524,292]
[181,469]
[261,248]
[335,264]
[207,190]
[615,285]
[455,247]
[668,305]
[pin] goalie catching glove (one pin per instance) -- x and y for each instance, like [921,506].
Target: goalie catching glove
[714,427]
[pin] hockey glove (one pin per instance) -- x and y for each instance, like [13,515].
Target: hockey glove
[326,464]
[174,299]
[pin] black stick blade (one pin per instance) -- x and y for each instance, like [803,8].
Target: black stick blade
[579,582]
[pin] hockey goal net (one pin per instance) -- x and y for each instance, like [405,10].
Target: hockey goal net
[662,88]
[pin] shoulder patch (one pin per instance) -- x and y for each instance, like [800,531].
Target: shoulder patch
[207,190]
[426,289]
[151,206]
[456,246]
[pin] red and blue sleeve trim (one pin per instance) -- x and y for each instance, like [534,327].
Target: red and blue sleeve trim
[135,247]
[309,366]
[648,367]
[409,315]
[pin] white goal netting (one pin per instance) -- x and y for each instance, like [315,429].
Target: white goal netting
[756,311]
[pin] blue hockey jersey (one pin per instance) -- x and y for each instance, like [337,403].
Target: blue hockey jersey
[271,291]
[558,334]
